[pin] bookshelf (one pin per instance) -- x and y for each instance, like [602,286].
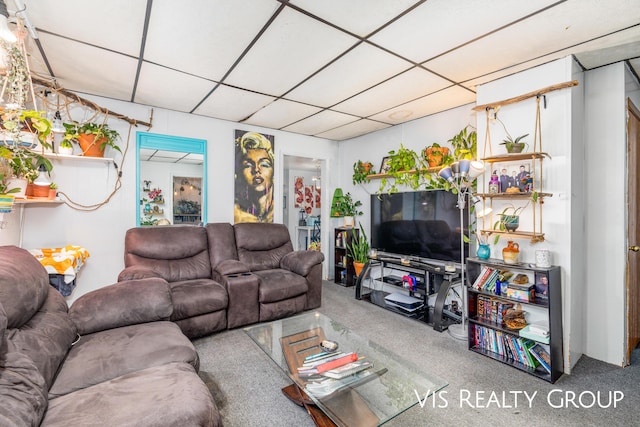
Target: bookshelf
[343,272]
[490,335]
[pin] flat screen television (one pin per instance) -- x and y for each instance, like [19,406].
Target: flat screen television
[422,224]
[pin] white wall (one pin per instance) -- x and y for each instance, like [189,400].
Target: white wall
[102,231]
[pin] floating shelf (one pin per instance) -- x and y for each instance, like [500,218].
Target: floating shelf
[512,195]
[512,157]
[81,158]
[37,200]
[534,237]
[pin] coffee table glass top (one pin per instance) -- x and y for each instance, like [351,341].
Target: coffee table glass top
[370,397]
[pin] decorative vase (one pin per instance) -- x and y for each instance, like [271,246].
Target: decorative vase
[511,253]
[494,184]
[484,251]
[90,145]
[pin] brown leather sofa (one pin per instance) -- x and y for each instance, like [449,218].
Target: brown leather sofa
[112,358]
[226,276]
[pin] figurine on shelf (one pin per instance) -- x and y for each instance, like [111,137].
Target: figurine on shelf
[146,186]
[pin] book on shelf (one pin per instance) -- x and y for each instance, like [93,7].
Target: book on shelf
[542,355]
[532,334]
[348,369]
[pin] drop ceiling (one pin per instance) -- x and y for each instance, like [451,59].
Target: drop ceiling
[333,69]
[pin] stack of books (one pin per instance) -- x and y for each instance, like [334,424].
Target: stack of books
[536,331]
[333,365]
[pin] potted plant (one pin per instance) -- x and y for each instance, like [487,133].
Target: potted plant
[512,145]
[65,147]
[509,219]
[361,171]
[358,250]
[464,143]
[435,155]
[348,208]
[93,138]
[403,166]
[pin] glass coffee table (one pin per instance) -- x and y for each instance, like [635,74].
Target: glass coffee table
[370,397]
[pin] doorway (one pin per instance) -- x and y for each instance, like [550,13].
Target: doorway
[633,230]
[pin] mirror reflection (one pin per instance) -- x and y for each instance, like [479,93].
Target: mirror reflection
[171,182]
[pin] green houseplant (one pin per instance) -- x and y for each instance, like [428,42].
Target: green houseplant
[358,250]
[465,143]
[361,172]
[348,208]
[93,138]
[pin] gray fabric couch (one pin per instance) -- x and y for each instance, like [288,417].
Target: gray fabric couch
[224,276]
[112,358]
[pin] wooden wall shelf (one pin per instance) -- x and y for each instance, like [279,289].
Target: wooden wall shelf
[386,175]
[513,157]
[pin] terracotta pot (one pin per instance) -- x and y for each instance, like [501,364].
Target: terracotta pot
[435,155]
[41,191]
[90,146]
[52,193]
[29,192]
[366,167]
[358,266]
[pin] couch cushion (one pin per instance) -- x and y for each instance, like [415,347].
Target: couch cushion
[24,285]
[278,285]
[261,246]
[168,395]
[222,242]
[47,336]
[174,252]
[23,396]
[109,354]
[193,297]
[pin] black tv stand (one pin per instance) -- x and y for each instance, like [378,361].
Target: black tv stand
[433,285]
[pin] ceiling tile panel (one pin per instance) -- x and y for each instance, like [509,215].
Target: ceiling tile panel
[88,73]
[229,103]
[208,37]
[292,49]
[403,88]
[352,130]
[556,29]
[281,113]
[170,89]
[337,82]
[113,24]
[440,25]
[360,17]
[321,122]
[446,99]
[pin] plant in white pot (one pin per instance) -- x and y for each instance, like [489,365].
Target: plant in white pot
[349,209]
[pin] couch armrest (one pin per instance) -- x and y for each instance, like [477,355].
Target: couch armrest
[136,272]
[231,266]
[301,262]
[122,304]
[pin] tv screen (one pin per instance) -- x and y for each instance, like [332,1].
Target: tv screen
[424,224]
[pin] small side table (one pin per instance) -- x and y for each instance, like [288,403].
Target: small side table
[62,264]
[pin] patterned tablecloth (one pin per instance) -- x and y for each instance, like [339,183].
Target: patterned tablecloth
[65,261]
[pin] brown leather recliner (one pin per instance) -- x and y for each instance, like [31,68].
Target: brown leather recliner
[265,278]
[180,255]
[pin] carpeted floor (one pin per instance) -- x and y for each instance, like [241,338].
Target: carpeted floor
[246,383]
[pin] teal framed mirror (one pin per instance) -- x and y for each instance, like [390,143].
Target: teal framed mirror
[171,177]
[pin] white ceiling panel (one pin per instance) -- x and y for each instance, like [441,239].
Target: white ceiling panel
[336,83]
[556,29]
[314,66]
[371,14]
[115,24]
[293,50]
[444,100]
[321,122]
[170,89]
[439,25]
[216,33]
[403,88]
[352,130]
[89,74]
[233,104]
[281,113]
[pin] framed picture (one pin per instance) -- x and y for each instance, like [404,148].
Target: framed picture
[385,165]
[514,177]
